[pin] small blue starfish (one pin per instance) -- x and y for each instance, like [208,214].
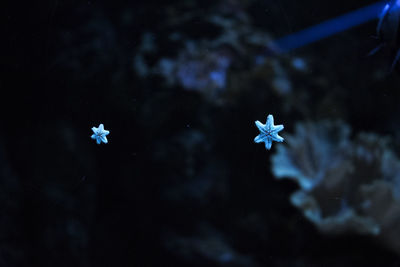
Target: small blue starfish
[99,134]
[268,132]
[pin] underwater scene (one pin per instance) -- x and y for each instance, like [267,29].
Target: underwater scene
[200,133]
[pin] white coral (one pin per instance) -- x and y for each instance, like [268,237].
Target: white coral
[345,186]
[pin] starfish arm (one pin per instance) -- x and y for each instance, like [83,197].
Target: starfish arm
[277,138]
[260,126]
[268,143]
[105,132]
[98,140]
[94,129]
[259,138]
[269,125]
[101,127]
[93,136]
[104,139]
[278,128]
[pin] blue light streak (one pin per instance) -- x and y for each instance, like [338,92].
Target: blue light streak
[328,28]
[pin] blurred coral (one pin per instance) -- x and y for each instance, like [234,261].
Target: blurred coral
[196,69]
[204,64]
[208,244]
[345,186]
[313,151]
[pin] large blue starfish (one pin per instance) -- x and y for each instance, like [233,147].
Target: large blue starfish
[99,134]
[268,132]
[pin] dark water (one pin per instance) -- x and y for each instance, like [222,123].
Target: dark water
[181,182]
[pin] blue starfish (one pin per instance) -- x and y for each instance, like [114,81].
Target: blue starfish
[99,134]
[268,132]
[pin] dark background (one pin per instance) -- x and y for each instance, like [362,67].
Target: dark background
[181,182]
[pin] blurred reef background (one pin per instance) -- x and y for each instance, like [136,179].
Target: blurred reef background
[179,85]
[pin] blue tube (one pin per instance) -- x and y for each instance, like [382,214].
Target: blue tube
[328,28]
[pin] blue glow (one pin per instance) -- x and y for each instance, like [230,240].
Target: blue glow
[381,16]
[328,28]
